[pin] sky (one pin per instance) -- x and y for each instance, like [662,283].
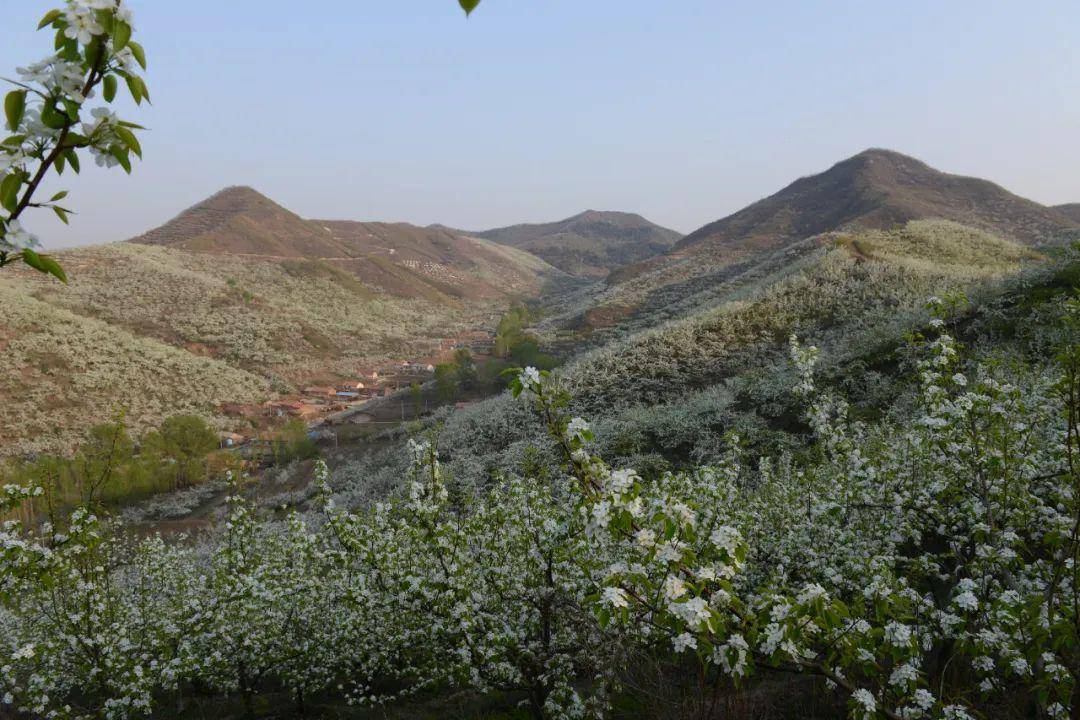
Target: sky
[534,110]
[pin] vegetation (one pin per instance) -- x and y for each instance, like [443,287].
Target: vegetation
[46,112]
[110,470]
[900,527]
[920,566]
[514,347]
[293,442]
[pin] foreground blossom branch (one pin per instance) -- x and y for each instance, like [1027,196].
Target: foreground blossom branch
[50,123]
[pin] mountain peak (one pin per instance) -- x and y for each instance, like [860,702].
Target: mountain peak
[234,193]
[876,189]
[590,243]
[239,219]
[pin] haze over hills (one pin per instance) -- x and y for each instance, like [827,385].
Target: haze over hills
[590,243]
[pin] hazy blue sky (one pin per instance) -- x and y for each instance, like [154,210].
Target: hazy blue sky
[682,110]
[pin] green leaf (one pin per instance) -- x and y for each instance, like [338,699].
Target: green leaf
[52,117]
[121,35]
[55,269]
[108,87]
[62,214]
[135,88]
[9,191]
[122,157]
[32,259]
[73,160]
[14,107]
[105,18]
[468,5]
[71,109]
[45,264]
[74,139]
[139,53]
[48,19]
[59,196]
[129,139]
[93,54]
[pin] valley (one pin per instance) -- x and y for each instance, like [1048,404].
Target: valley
[353,365]
[235,319]
[779,428]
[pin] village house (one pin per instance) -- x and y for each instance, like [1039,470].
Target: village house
[296,408]
[416,367]
[371,375]
[230,439]
[319,391]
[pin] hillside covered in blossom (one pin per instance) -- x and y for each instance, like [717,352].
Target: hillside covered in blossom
[818,459]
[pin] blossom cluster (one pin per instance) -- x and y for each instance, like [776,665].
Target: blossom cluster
[49,122]
[922,569]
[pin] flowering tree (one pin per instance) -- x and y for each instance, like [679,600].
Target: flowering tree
[51,123]
[923,569]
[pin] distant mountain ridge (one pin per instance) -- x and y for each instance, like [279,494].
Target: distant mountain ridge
[878,189]
[590,243]
[875,190]
[407,260]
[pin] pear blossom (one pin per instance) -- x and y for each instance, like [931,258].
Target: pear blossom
[684,642]
[16,237]
[616,597]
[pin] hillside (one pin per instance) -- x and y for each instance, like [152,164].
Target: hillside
[403,259]
[64,372]
[590,243]
[877,189]
[237,301]
[874,190]
[1070,210]
[668,392]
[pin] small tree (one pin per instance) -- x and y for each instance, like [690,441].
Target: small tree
[416,392]
[183,442]
[100,462]
[466,368]
[446,386]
